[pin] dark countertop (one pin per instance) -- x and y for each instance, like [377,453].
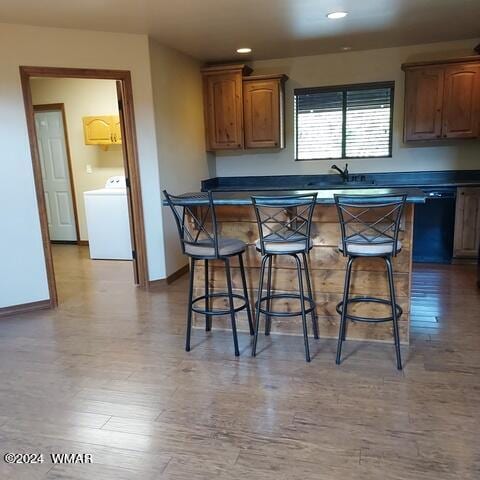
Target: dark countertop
[423,179]
[325,196]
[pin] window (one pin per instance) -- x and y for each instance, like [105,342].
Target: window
[352,121]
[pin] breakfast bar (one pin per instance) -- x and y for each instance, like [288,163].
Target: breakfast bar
[236,219]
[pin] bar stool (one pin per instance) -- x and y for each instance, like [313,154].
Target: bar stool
[197,227]
[284,225]
[370,226]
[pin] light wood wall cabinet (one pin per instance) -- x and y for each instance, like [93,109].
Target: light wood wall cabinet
[442,100]
[263,103]
[102,130]
[242,111]
[223,104]
[467,223]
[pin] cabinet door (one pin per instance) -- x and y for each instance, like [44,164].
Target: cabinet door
[423,103]
[223,110]
[467,223]
[461,111]
[116,129]
[98,130]
[262,113]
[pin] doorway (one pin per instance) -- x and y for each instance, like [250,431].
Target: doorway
[55,190]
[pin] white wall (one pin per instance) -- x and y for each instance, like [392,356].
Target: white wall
[183,162]
[346,68]
[23,275]
[81,98]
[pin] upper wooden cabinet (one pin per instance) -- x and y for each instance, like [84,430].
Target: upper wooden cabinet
[423,103]
[223,104]
[116,129]
[263,102]
[442,100]
[461,110]
[102,130]
[242,111]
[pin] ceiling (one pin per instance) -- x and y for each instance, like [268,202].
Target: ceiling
[212,30]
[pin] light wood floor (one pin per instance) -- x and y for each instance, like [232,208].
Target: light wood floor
[106,374]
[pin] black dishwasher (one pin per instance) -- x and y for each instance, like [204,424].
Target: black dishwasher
[433,227]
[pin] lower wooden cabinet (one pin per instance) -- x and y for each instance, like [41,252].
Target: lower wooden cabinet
[467,223]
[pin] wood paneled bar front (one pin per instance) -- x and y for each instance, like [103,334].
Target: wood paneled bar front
[236,219]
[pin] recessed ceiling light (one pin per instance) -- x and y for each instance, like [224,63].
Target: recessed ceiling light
[336,15]
[244,50]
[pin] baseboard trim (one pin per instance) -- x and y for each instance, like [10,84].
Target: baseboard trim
[170,279]
[464,261]
[64,242]
[25,307]
[83,243]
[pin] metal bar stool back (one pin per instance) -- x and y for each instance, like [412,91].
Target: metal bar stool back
[370,226]
[284,226]
[196,221]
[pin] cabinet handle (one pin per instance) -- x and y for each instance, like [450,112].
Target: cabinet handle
[111,137]
[115,137]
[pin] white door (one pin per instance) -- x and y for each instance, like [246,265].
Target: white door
[55,175]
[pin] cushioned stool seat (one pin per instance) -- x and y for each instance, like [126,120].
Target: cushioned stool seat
[370,246]
[274,244]
[226,247]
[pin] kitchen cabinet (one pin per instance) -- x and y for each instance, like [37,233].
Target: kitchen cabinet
[116,129]
[263,103]
[442,100]
[467,223]
[102,130]
[461,110]
[423,103]
[223,106]
[242,111]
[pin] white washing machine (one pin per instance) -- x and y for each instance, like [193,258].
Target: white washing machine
[108,224]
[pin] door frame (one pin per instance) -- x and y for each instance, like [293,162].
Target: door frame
[60,107]
[130,163]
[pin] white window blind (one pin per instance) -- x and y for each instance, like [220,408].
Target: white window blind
[344,122]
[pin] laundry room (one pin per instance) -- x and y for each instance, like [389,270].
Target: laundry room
[79,136]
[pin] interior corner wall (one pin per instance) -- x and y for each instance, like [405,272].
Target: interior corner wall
[23,275]
[350,68]
[183,161]
[81,98]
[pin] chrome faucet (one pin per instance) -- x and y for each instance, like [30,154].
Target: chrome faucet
[342,173]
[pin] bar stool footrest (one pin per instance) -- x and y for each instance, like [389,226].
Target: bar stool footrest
[203,311]
[356,318]
[295,296]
